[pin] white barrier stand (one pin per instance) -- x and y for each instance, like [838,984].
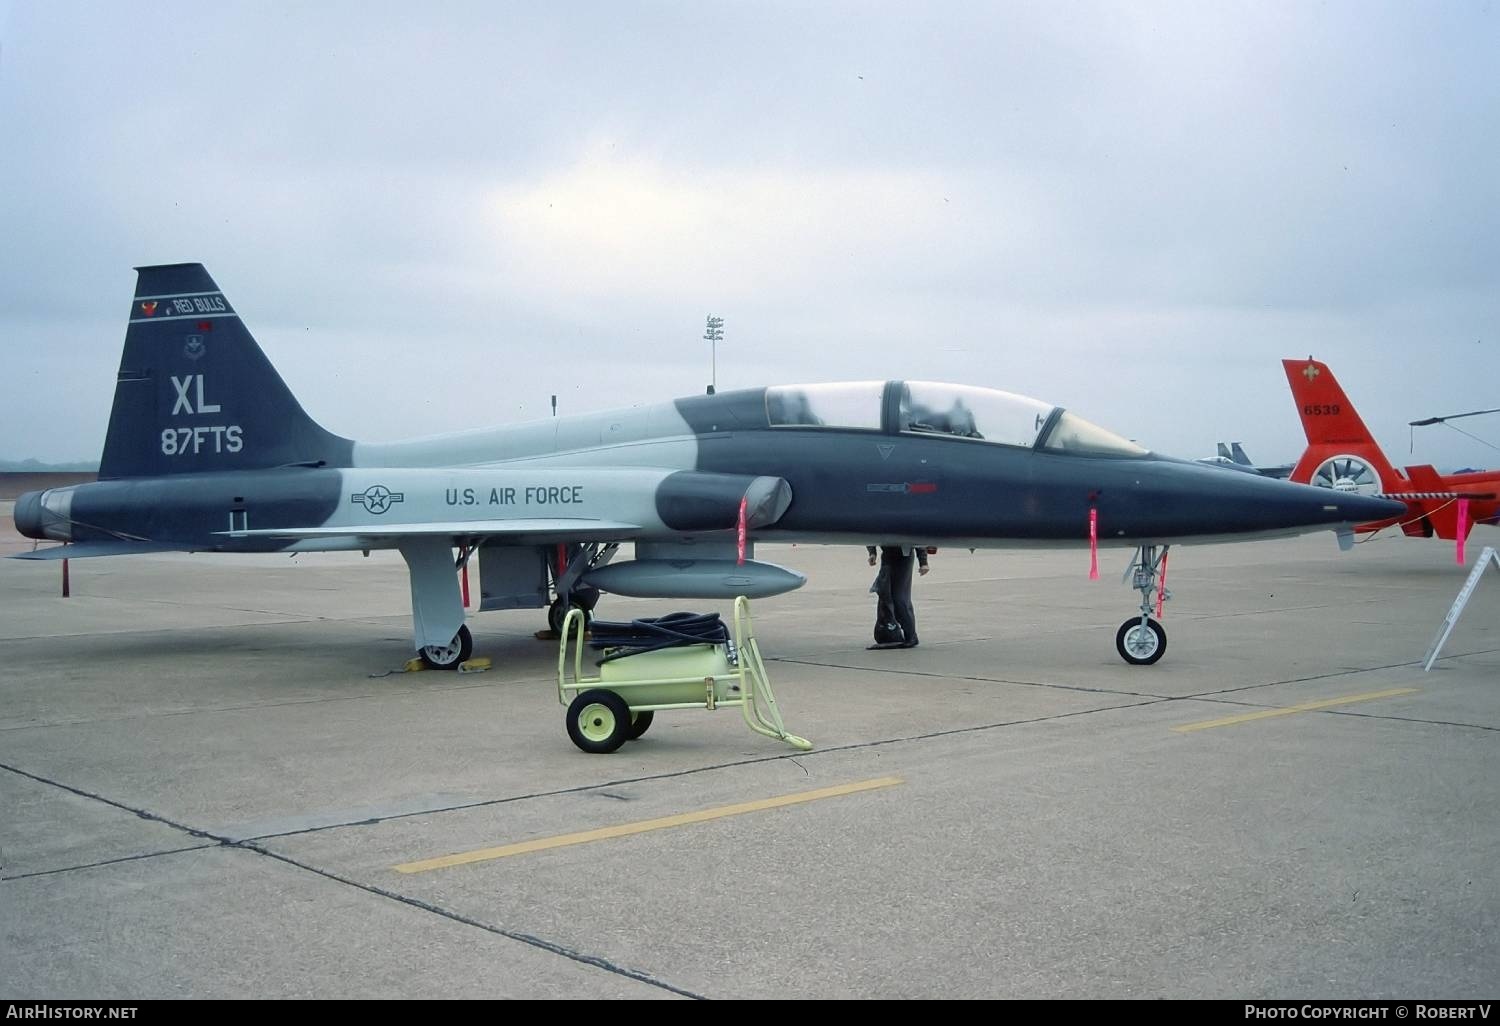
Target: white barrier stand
[1487,557]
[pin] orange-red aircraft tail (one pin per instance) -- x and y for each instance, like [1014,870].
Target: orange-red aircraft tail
[1342,454]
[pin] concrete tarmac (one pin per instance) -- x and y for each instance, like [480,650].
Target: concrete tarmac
[211,768]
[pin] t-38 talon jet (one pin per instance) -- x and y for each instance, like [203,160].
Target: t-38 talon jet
[208,450]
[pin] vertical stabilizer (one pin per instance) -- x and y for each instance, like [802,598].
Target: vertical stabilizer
[195,392]
[1340,452]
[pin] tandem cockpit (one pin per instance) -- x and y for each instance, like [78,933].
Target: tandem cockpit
[938,408]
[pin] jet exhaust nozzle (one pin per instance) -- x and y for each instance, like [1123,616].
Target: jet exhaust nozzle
[45,515]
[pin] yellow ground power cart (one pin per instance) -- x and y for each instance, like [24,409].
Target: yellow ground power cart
[681,661]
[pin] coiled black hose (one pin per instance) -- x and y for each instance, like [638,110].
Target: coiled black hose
[651,634]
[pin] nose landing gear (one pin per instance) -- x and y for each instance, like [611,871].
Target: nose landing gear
[1142,640]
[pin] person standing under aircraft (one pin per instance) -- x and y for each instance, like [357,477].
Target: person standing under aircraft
[887,630]
[895,591]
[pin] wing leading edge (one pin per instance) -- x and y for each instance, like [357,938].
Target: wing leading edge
[549,529]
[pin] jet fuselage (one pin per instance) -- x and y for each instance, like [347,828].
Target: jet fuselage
[867,486]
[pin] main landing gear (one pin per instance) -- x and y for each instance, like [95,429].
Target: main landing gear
[447,657]
[515,577]
[572,562]
[442,638]
[1142,640]
[582,598]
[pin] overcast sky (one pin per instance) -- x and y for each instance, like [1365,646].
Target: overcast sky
[436,216]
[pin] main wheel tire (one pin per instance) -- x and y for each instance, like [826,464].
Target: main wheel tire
[558,612]
[599,721]
[1141,646]
[447,657]
[640,723]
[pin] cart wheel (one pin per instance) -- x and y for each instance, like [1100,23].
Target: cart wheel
[599,721]
[639,723]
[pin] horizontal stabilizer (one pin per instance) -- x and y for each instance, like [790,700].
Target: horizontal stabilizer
[82,550]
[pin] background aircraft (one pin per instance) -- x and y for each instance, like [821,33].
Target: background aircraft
[1341,454]
[1232,457]
[1224,460]
[1280,470]
[207,449]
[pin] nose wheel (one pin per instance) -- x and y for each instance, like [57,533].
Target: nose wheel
[1142,640]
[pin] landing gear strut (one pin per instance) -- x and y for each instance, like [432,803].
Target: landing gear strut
[437,609]
[583,599]
[572,562]
[1142,640]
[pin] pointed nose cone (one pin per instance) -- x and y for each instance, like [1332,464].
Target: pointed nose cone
[1362,509]
[1178,499]
[1273,504]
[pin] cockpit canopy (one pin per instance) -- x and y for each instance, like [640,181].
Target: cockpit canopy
[927,407]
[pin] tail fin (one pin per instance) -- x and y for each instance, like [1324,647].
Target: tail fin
[1239,455]
[1340,451]
[195,393]
[1224,452]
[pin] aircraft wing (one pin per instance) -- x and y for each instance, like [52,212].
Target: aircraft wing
[537,531]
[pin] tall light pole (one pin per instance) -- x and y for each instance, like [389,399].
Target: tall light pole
[712,336]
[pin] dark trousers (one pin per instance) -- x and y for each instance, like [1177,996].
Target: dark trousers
[899,564]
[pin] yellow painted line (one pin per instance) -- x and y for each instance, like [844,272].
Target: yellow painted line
[1266,714]
[645,825]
